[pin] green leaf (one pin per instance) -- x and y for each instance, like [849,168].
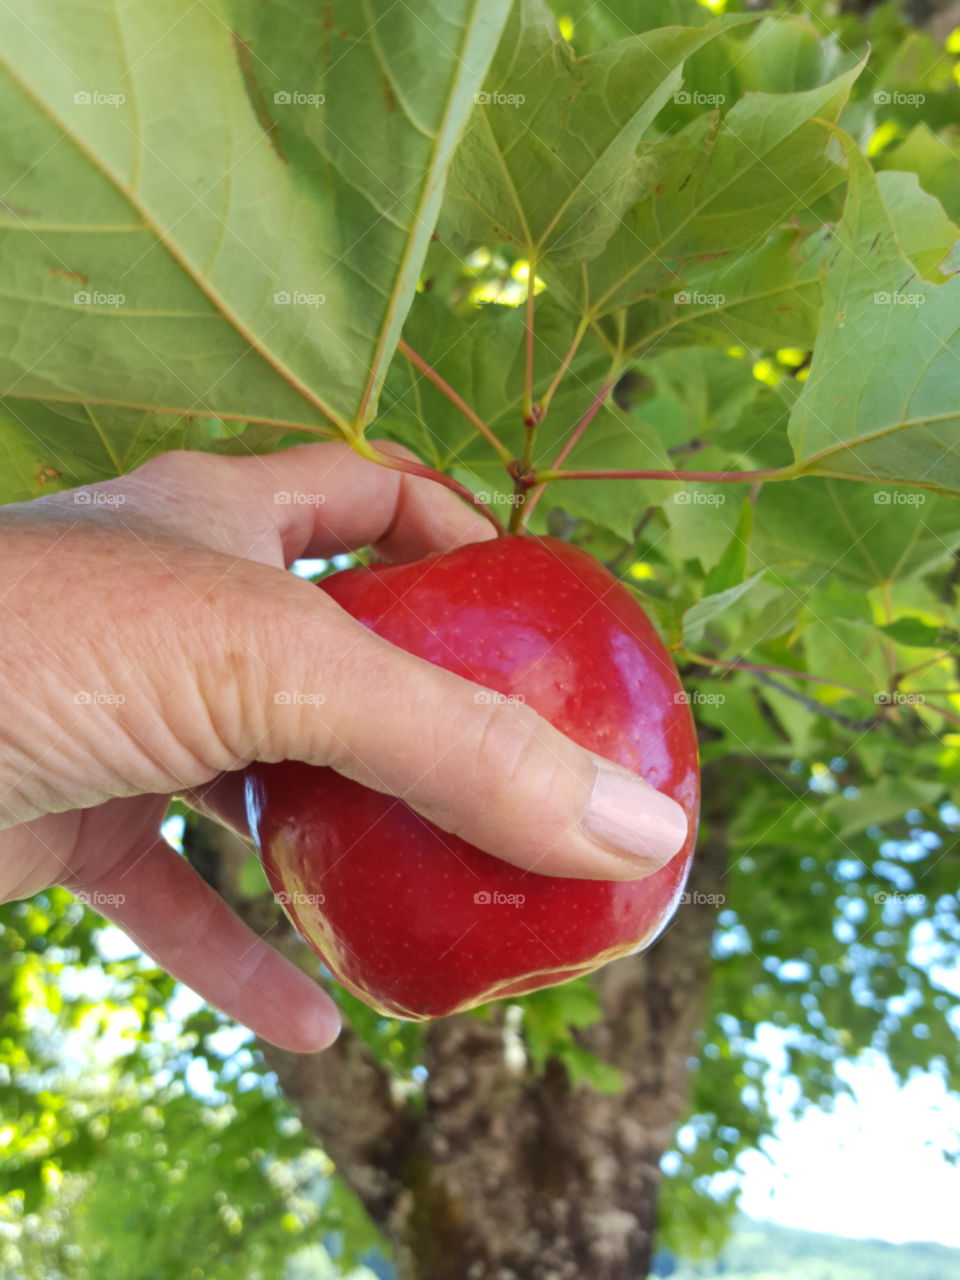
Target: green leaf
[26,470]
[585,1068]
[934,158]
[926,236]
[882,401]
[714,606]
[548,162]
[915,633]
[768,297]
[716,188]
[247,245]
[731,568]
[831,529]
[887,801]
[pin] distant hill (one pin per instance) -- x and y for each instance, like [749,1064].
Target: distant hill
[764,1251]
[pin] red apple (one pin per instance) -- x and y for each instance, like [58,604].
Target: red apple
[417,922]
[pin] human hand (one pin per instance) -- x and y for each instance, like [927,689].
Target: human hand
[148,625]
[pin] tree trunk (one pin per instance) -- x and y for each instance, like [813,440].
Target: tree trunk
[504,1174]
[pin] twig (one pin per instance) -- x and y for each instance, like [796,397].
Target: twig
[503,453]
[410,468]
[575,437]
[738,664]
[706,477]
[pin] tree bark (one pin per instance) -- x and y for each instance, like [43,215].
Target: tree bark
[505,1174]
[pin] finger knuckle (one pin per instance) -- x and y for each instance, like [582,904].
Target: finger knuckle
[508,747]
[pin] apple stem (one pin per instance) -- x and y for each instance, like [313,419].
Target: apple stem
[410,468]
[417,360]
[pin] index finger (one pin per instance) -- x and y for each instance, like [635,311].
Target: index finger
[338,501]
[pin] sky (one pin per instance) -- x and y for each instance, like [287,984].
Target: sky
[872,1169]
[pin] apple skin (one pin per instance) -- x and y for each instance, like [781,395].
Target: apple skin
[417,922]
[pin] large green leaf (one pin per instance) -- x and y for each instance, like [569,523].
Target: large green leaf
[223,209]
[717,188]
[548,162]
[767,297]
[934,158]
[827,529]
[883,398]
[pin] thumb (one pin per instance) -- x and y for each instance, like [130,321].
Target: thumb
[495,773]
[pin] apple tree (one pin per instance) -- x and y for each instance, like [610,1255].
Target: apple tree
[673,281]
